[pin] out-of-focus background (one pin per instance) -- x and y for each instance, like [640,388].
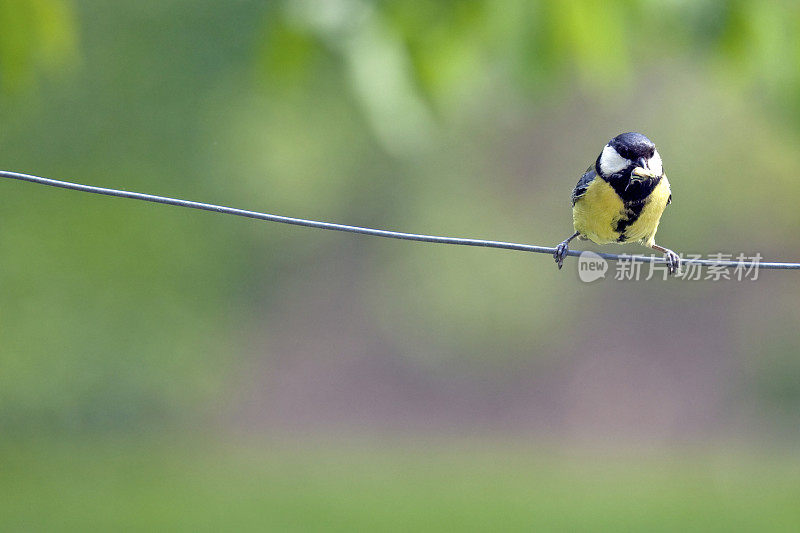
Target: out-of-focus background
[180,370]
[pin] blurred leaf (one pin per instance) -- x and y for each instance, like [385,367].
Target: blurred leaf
[38,36]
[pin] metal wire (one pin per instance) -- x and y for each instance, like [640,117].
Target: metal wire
[375,232]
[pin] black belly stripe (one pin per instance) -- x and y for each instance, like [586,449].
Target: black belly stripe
[632,213]
[634,195]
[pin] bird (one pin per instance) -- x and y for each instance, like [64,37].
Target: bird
[621,197]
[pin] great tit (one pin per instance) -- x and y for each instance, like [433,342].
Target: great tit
[621,197]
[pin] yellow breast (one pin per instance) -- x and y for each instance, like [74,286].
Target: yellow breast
[597,213]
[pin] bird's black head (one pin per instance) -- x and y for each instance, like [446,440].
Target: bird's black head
[631,155]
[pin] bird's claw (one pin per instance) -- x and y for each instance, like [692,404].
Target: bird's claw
[561,253]
[673,261]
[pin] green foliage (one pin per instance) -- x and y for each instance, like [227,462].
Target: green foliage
[37,37]
[456,50]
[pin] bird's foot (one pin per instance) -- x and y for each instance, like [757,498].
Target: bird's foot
[673,261]
[561,253]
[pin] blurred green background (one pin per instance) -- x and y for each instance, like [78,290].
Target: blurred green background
[169,369]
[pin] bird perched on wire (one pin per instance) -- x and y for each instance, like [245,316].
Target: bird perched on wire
[621,197]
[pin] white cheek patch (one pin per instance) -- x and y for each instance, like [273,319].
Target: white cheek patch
[655,165]
[611,161]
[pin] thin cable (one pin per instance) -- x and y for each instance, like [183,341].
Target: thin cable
[372,231]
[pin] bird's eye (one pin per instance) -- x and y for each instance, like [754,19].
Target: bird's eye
[611,162]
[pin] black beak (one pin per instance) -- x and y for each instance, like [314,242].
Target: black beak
[641,162]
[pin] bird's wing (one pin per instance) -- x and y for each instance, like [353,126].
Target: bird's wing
[583,183]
